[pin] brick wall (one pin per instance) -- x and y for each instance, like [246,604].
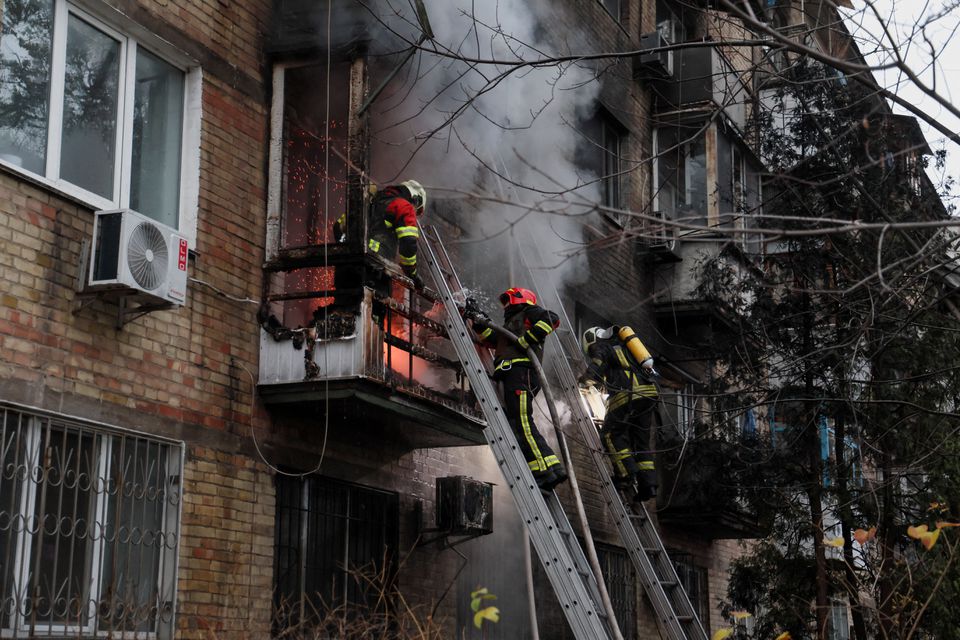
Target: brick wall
[226,553]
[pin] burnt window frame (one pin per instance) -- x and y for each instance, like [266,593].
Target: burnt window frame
[309,518]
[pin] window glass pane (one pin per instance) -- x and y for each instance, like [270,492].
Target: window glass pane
[136,496]
[25,54]
[64,512]
[157,131]
[88,152]
[13,429]
[611,166]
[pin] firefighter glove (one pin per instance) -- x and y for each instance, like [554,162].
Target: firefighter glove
[417,281]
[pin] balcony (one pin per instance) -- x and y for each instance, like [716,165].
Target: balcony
[682,295]
[401,375]
[701,496]
[702,81]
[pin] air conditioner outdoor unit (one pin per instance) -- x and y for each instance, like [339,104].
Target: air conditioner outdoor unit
[659,63]
[464,506]
[139,257]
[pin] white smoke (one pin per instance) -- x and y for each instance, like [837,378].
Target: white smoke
[455,125]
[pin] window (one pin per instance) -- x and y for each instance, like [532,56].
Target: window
[93,113]
[613,8]
[693,577]
[680,175]
[89,529]
[839,624]
[680,405]
[326,529]
[309,179]
[606,138]
[619,578]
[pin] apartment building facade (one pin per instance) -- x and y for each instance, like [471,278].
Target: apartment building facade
[228,453]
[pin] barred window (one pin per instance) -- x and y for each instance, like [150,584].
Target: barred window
[693,577]
[621,583]
[89,529]
[329,535]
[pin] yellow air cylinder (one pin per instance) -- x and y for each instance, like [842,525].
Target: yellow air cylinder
[633,344]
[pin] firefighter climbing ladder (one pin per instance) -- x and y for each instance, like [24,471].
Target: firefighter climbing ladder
[637,531]
[550,531]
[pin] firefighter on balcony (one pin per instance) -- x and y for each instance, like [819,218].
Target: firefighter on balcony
[619,361]
[393,225]
[532,324]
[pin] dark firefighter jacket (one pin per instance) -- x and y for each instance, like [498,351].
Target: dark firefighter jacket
[393,229]
[613,366]
[531,324]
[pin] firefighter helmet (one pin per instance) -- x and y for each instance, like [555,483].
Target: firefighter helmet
[418,195]
[593,334]
[516,295]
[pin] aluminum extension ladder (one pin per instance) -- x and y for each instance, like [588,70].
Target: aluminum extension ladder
[550,532]
[637,532]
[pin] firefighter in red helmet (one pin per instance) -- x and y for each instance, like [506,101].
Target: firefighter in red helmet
[531,324]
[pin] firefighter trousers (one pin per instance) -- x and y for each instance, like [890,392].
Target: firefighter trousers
[626,435]
[520,386]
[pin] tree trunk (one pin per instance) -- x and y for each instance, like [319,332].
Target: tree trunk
[846,524]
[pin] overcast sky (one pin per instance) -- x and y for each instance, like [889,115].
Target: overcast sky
[940,69]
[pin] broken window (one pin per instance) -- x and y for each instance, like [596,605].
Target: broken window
[89,529]
[326,531]
[315,113]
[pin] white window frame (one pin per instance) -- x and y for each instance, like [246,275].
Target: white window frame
[131,37]
[23,540]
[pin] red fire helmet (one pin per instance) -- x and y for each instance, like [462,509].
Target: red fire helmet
[516,295]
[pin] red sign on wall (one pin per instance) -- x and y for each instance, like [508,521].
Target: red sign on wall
[182,257]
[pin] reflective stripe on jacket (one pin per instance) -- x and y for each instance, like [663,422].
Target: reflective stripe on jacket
[393,229]
[611,365]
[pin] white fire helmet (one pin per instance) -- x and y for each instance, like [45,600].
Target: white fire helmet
[418,195]
[593,334]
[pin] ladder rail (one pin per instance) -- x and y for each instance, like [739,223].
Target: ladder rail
[550,531]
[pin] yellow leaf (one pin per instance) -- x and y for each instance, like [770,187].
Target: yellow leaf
[935,506]
[930,539]
[833,542]
[864,537]
[722,634]
[489,613]
[945,525]
[917,532]
[740,615]
[784,636]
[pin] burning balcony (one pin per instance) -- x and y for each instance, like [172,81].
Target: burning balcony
[398,371]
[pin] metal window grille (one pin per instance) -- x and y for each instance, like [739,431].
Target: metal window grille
[621,583]
[694,580]
[326,531]
[89,529]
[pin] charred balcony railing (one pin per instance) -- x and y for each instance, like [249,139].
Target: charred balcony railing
[381,356]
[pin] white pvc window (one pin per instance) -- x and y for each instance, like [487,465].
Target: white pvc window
[88,110]
[89,530]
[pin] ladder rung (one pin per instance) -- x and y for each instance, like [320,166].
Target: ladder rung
[652,551]
[685,619]
[669,584]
